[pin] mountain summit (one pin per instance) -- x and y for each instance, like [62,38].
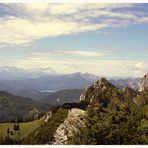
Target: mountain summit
[102,92]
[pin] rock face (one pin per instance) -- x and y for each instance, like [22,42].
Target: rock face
[143,83]
[65,130]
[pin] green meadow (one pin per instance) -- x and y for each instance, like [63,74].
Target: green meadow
[25,128]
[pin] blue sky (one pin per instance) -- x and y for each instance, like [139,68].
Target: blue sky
[103,39]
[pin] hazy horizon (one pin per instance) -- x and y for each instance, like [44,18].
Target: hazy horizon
[101,39]
[53,72]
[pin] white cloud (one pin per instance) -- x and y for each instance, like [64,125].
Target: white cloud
[139,65]
[15,30]
[41,7]
[136,67]
[60,9]
[83,53]
[37,21]
[70,54]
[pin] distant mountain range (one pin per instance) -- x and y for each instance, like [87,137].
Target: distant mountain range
[129,82]
[45,79]
[15,80]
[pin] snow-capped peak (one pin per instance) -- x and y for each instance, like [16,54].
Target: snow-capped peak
[48,71]
[7,72]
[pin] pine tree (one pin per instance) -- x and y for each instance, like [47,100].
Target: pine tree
[15,127]
[8,131]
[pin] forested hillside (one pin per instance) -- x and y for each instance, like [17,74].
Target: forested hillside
[15,108]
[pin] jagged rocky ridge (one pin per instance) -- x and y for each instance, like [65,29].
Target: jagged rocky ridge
[103,93]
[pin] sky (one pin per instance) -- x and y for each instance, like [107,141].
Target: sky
[102,39]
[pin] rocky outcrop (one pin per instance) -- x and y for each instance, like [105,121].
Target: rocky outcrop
[143,83]
[83,95]
[48,115]
[72,122]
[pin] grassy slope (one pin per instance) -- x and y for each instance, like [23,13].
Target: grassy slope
[26,128]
